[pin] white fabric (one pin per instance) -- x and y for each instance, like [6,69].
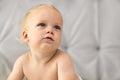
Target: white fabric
[91,35]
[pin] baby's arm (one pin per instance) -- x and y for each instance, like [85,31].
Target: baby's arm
[65,69]
[17,72]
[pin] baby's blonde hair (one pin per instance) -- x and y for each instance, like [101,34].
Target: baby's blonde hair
[23,23]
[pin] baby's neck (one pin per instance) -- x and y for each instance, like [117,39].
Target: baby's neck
[42,58]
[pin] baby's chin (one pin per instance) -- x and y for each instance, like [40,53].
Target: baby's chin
[48,47]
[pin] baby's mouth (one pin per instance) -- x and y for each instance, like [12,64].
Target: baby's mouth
[49,38]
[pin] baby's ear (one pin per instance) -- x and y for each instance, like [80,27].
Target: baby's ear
[25,36]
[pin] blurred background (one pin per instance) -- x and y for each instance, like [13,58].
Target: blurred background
[91,35]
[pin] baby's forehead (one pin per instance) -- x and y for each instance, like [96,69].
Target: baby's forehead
[43,7]
[42,10]
[34,12]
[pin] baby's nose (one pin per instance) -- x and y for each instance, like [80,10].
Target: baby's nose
[49,30]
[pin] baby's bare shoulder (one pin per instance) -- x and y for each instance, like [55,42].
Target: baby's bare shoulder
[22,59]
[66,67]
[17,71]
[63,57]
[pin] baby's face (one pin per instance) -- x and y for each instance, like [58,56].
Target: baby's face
[44,28]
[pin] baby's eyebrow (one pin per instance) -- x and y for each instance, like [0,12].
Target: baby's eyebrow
[58,23]
[41,20]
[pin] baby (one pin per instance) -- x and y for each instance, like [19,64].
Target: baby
[42,30]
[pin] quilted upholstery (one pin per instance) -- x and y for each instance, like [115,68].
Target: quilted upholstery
[91,35]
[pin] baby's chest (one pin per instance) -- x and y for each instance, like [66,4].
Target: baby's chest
[48,72]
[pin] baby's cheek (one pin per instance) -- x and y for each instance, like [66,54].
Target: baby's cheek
[58,42]
[42,35]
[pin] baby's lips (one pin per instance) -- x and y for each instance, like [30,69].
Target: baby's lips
[49,38]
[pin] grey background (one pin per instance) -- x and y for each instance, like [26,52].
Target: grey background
[91,35]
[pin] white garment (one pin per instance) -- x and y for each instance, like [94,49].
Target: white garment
[79,77]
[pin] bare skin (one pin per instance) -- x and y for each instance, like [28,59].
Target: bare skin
[58,67]
[44,61]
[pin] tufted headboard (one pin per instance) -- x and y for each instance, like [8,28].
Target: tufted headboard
[91,35]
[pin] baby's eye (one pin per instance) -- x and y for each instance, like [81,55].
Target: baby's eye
[57,27]
[41,24]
